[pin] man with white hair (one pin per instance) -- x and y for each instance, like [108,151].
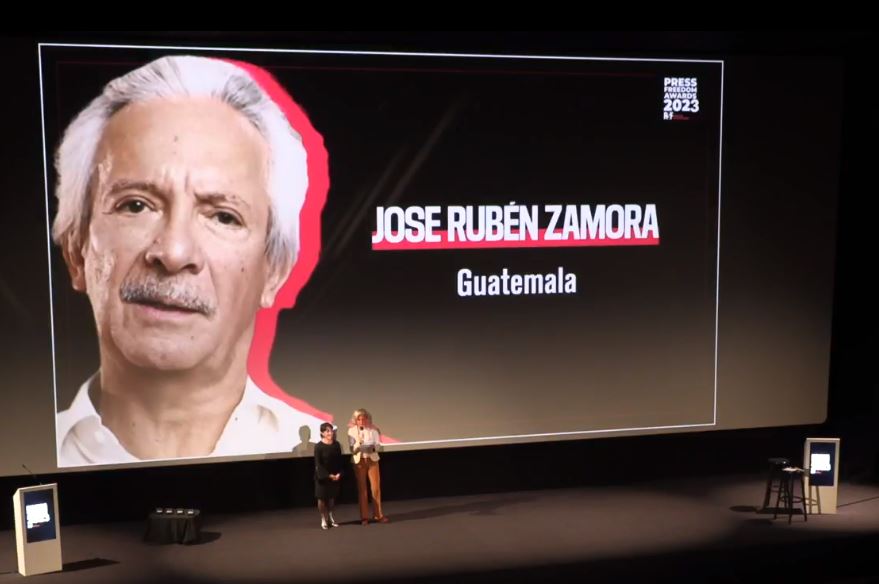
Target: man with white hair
[179,192]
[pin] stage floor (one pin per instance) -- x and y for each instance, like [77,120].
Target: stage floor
[699,529]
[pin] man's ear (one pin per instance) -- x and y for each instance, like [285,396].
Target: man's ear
[278,274]
[73,257]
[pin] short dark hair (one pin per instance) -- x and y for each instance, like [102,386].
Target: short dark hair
[324,426]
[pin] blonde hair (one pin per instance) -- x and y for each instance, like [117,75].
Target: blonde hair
[360,412]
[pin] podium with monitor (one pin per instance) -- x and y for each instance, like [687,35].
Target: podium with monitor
[821,459]
[37,529]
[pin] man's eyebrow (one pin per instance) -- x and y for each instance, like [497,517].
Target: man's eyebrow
[215,198]
[124,184]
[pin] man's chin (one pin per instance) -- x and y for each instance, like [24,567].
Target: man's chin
[165,355]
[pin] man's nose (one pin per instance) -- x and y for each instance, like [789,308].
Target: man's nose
[176,247]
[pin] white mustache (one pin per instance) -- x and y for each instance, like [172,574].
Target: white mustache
[170,293]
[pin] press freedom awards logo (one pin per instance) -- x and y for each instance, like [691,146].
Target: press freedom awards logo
[680,98]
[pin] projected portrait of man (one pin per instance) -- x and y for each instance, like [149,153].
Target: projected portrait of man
[179,194]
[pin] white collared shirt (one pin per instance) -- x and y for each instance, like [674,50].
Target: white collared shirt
[259,424]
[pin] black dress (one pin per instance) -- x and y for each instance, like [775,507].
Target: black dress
[327,461]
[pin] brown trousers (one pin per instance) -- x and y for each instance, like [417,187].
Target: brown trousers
[363,469]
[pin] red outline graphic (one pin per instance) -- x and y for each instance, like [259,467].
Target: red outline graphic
[309,239]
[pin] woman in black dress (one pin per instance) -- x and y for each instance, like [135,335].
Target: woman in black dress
[327,474]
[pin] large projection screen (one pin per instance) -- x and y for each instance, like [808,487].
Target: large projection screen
[479,249]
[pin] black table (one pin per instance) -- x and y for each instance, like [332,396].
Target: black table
[173,527]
